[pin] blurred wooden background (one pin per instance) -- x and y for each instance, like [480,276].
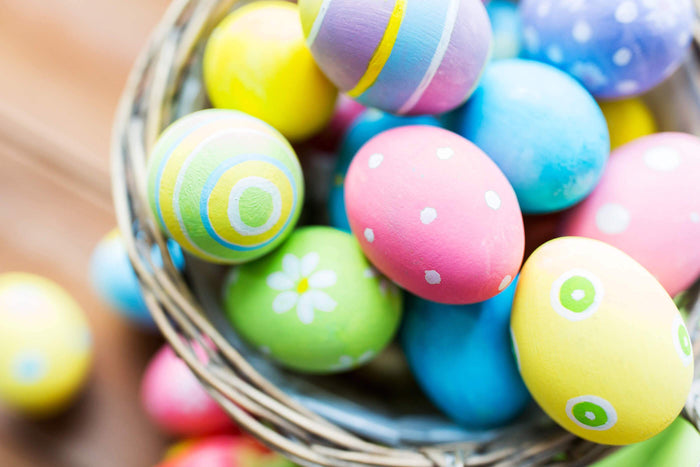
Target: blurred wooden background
[63,64]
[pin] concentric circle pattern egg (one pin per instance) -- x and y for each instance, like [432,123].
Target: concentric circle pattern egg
[315,304]
[435,214]
[401,56]
[45,345]
[616,48]
[628,119]
[648,205]
[600,344]
[224,185]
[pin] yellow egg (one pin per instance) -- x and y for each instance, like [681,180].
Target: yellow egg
[257,61]
[600,344]
[45,345]
[628,120]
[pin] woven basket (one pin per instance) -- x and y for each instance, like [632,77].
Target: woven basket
[165,84]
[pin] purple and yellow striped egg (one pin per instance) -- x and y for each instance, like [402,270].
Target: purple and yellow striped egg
[226,186]
[401,56]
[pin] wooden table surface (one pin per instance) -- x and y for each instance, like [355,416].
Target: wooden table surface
[63,64]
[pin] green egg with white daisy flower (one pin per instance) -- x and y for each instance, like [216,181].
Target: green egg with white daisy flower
[315,304]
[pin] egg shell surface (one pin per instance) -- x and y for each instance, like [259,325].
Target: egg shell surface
[223,451]
[542,128]
[616,48]
[315,304]
[401,56]
[600,344]
[435,215]
[226,186]
[648,205]
[507,29]
[628,119]
[45,345]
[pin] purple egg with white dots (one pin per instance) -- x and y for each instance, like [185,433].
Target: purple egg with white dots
[616,48]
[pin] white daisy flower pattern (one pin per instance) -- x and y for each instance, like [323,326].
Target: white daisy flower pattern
[299,283]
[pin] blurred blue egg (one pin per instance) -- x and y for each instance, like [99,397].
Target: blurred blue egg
[461,356]
[543,129]
[507,29]
[366,126]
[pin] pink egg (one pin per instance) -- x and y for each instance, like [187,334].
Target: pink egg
[648,205]
[435,214]
[176,401]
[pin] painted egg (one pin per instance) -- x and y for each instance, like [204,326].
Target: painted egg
[223,451]
[462,358]
[435,215]
[542,128]
[114,279]
[628,119]
[315,304]
[648,205]
[616,48]
[507,29]
[368,125]
[256,61]
[176,401]
[45,345]
[600,344]
[401,56]
[227,187]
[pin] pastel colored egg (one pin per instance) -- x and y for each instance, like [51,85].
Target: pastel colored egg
[600,344]
[227,187]
[368,125]
[648,205]
[462,358]
[256,61]
[616,48]
[628,119]
[114,279]
[176,401]
[507,29]
[542,128]
[223,451]
[435,215]
[45,345]
[401,56]
[315,304]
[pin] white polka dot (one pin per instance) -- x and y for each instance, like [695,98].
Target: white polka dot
[532,39]
[612,219]
[578,294]
[662,158]
[493,200]
[543,9]
[445,153]
[432,277]
[505,282]
[622,57]
[582,31]
[684,38]
[375,160]
[590,415]
[555,54]
[694,217]
[573,5]
[627,87]
[369,235]
[428,215]
[626,12]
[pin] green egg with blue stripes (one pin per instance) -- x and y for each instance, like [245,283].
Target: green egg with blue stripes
[226,186]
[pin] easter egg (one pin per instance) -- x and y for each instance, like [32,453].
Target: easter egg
[648,205]
[435,215]
[223,451]
[256,61]
[45,345]
[367,125]
[507,29]
[175,400]
[462,358]
[401,56]
[542,128]
[600,344]
[315,304]
[616,48]
[628,119]
[227,187]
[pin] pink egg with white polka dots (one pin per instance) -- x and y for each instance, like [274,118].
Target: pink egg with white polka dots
[648,205]
[435,215]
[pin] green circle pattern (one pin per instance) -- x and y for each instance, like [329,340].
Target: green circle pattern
[582,411]
[684,340]
[255,207]
[570,287]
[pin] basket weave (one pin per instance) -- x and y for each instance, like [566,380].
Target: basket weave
[157,93]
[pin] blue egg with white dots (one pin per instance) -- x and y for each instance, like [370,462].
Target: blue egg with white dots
[366,126]
[542,128]
[462,358]
[616,48]
[507,29]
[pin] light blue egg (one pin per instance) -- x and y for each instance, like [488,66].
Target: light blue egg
[543,129]
[507,29]
[114,279]
[366,126]
[461,356]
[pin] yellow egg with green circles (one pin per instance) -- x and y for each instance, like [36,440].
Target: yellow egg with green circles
[600,344]
[257,61]
[45,345]
[628,119]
